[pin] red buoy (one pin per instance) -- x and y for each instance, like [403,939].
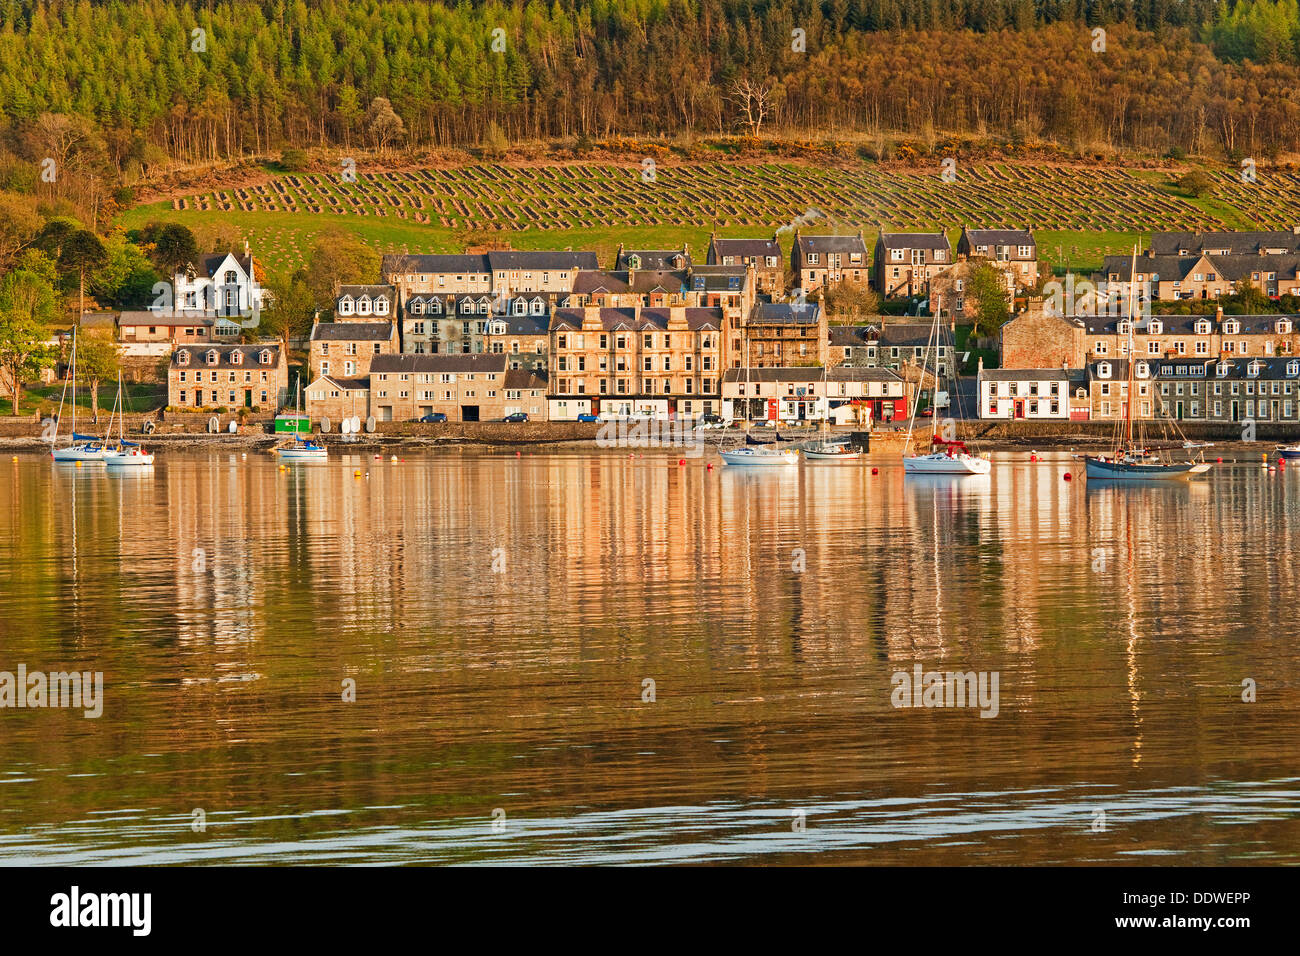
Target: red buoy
[1069,477]
[1219,460]
[875,471]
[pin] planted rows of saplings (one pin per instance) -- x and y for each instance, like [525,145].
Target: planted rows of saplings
[563,197]
[1272,199]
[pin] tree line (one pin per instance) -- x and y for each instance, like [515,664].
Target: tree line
[153,81]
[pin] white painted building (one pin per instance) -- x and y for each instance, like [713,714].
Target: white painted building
[1033,394]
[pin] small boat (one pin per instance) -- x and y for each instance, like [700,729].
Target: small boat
[129,454]
[953,460]
[303,449]
[1289,451]
[1198,444]
[831,451]
[84,448]
[758,456]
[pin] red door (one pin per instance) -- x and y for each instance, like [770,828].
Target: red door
[1020,409]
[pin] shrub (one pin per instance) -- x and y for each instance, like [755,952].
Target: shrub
[294,160]
[1196,184]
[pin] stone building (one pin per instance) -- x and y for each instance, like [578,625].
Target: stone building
[764,255]
[228,376]
[345,350]
[465,388]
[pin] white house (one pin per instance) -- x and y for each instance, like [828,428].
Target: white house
[220,286]
[1035,394]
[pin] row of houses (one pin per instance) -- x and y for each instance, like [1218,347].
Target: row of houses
[1223,390]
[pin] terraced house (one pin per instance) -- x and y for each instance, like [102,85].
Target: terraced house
[1203,276]
[1012,251]
[662,363]
[465,388]
[654,260]
[1226,390]
[622,289]
[780,334]
[763,254]
[905,262]
[228,376]
[460,324]
[821,261]
[344,350]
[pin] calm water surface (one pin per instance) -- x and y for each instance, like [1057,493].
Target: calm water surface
[227,601]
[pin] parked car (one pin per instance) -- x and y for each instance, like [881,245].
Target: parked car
[713,421]
[516,417]
[926,413]
[588,418]
[434,417]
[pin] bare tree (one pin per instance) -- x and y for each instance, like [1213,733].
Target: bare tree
[755,101]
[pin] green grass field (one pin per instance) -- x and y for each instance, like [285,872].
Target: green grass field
[141,397]
[1079,213]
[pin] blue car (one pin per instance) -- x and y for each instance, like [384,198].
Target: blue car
[434,417]
[587,418]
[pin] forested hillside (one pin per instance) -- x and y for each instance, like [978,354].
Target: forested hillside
[260,76]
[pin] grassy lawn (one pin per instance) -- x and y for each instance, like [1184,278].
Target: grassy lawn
[142,397]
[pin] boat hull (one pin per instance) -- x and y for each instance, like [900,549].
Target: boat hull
[128,461]
[745,456]
[1140,471]
[834,453]
[1289,451]
[78,453]
[946,465]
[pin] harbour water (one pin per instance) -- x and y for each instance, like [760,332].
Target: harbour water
[586,657]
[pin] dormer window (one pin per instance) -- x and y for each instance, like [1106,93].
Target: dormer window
[345,305]
[1103,370]
[521,307]
[1231,327]
[1221,370]
[466,306]
[634,262]
[1283,326]
[1123,328]
[1203,327]
[1253,369]
[264,356]
[381,306]
[1143,370]
[539,307]
[183,357]
[236,357]
[212,357]
[435,307]
[363,305]
[1292,369]
[1155,327]
[416,307]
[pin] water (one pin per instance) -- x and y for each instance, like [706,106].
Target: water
[226,602]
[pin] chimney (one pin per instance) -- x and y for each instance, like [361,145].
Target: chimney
[590,314]
[1218,313]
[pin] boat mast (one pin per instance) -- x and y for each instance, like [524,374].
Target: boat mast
[1132,361]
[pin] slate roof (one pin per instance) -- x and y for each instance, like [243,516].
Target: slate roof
[542,260]
[915,240]
[199,352]
[999,237]
[1026,374]
[823,244]
[1246,242]
[741,248]
[410,264]
[352,331]
[641,281]
[357,291]
[784,313]
[524,379]
[347,384]
[657,318]
[660,260]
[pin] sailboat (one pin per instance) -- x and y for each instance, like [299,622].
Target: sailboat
[754,451]
[952,457]
[84,448]
[1130,460]
[128,454]
[825,449]
[302,449]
